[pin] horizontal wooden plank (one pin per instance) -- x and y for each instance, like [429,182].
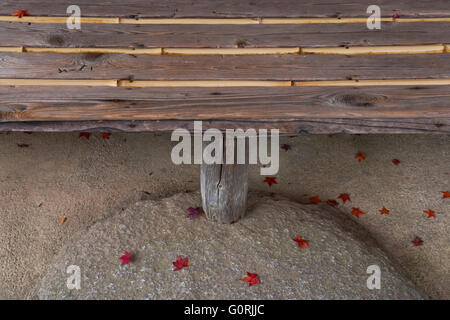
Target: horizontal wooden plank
[229,8]
[224,36]
[280,103]
[284,67]
[293,127]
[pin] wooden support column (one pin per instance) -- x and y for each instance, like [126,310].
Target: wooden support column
[224,190]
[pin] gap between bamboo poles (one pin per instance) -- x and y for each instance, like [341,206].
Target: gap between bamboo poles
[213,21]
[222,83]
[363,50]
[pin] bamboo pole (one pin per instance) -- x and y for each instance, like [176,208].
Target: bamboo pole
[57,20]
[11,49]
[57,82]
[370,83]
[215,21]
[229,51]
[148,51]
[205,83]
[239,21]
[433,48]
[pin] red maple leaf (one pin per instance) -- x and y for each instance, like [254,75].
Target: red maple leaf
[193,212]
[28,132]
[315,200]
[332,202]
[344,197]
[384,211]
[106,135]
[126,258]
[180,263]
[251,278]
[417,242]
[271,180]
[356,212]
[430,213]
[302,243]
[286,147]
[396,161]
[396,16]
[361,156]
[445,194]
[20,13]
[85,134]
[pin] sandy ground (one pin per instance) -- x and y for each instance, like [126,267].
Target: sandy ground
[63,175]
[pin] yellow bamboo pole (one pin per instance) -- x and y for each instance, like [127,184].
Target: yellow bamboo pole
[204,83]
[447,48]
[318,20]
[149,51]
[57,82]
[215,21]
[363,83]
[11,49]
[227,51]
[57,20]
[433,48]
[239,21]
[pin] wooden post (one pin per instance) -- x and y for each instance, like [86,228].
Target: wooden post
[224,191]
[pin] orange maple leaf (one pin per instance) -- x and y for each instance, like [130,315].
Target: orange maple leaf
[251,278]
[302,243]
[356,212]
[106,135]
[315,200]
[445,194]
[384,211]
[20,13]
[361,156]
[344,197]
[430,213]
[63,219]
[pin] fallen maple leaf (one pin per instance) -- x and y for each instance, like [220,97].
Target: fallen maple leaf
[361,156]
[396,161]
[384,211]
[85,134]
[193,212]
[430,213]
[417,242]
[180,263]
[286,147]
[251,278]
[315,200]
[344,197]
[396,16]
[28,132]
[126,258]
[302,243]
[63,219]
[445,194]
[271,180]
[332,202]
[20,13]
[106,135]
[356,212]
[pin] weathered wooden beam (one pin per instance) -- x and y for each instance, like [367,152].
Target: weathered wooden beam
[277,67]
[230,8]
[221,36]
[286,127]
[224,190]
[240,104]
